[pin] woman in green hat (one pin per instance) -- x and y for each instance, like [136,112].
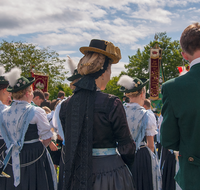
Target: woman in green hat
[5,98]
[94,125]
[25,130]
[141,122]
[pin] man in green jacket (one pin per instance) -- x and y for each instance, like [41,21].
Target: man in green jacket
[180,129]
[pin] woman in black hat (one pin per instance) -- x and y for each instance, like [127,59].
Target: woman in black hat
[25,130]
[94,125]
[5,98]
[145,169]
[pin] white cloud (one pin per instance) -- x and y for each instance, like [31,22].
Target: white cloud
[138,46]
[153,14]
[54,39]
[66,52]
[118,68]
[67,25]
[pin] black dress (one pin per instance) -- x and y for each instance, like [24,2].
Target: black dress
[35,170]
[168,169]
[2,148]
[110,130]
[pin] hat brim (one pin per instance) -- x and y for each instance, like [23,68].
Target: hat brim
[123,89]
[12,89]
[3,81]
[84,50]
[74,77]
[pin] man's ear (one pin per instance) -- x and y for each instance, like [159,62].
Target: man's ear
[36,97]
[185,55]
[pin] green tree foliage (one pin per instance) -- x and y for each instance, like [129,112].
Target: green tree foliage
[171,58]
[57,87]
[24,56]
[113,88]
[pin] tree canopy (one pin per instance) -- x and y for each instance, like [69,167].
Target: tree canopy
[113,88]
[139,63]
[26,55]
[171,58]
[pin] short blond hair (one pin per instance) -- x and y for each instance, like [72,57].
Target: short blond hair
[19,94]
[136,93]
[46,109]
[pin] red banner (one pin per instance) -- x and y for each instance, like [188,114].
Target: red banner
[41,82]
[154,74]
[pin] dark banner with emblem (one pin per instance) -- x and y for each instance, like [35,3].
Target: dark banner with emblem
[41,82]
[154,74]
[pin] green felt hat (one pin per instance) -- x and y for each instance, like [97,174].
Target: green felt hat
[137,85]
[3,81]
[21,84]
[75,76]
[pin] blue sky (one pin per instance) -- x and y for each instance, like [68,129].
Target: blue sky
[66,25]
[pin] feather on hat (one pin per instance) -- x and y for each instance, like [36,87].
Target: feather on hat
[126,82]
[129,84]
[2,70]
[3,81]
[13,76]
[72,65]
[74,72]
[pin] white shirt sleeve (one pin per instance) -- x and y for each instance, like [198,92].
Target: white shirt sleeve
[160,119]
[56,120]
[2,107]
[44,128]
[151,129]
[50,118]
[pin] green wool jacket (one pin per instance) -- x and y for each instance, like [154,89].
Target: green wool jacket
[180,129]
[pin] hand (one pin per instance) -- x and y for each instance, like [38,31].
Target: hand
[53,147]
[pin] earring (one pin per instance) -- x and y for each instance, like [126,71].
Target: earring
[102,78]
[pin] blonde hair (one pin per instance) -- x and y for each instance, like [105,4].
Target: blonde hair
[91,63]
[57,104]
[46,109]
[19,94]
[136,93]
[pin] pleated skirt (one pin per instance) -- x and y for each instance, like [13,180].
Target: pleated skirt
[61,169]
[142,170]
[111,173]
[168,169]
[2,148]
[35,172]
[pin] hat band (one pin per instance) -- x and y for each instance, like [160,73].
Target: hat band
[106,46]
[98,44]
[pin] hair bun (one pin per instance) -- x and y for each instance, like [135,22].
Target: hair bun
[91,63]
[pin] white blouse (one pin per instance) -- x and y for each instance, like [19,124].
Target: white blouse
[151,129]
[43,126]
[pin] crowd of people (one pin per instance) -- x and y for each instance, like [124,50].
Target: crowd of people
[93,140]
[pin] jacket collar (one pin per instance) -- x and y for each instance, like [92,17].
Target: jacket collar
[194,62]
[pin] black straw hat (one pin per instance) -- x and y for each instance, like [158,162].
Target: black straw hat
[104,47]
